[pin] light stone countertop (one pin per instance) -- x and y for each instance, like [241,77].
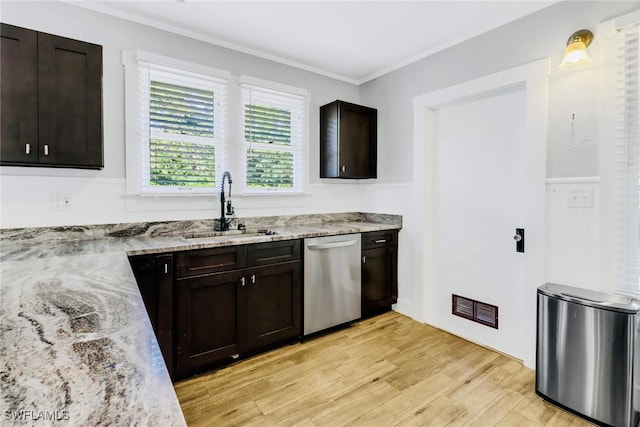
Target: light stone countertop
[76,346]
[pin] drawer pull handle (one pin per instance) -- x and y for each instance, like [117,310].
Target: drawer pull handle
[27,149]
[166,268]
[364,259]
[380,241]
[332,245]
[242,281]
[46,150]
[253,278]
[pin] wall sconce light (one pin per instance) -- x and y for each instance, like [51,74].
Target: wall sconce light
[575,54]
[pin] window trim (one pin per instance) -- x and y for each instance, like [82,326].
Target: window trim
[134,135]
[302,189]
[233,151]
[627,164]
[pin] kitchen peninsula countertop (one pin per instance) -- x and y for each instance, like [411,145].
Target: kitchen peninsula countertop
[77,346]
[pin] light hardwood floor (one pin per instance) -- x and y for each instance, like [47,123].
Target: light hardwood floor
[385,371]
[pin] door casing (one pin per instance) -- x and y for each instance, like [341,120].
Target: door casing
[534,77]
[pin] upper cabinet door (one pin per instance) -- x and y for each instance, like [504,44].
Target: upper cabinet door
[358,137]
[51,100]
[18,94]
[70,102]
[348,141]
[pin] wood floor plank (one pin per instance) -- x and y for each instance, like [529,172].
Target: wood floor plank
[354,404]
[515,419]
[412,399]
[496,411]
[385,371]
[437,413]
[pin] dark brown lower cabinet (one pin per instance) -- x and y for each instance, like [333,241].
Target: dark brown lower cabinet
[225,315]
[235,301]
[274,295]
[154,274]
[379,272]
[210,319]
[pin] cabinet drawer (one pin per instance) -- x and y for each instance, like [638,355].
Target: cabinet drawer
[273,252]
[205,261]
[379,239]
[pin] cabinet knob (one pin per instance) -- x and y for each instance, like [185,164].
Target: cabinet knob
[27,148]
[46,150]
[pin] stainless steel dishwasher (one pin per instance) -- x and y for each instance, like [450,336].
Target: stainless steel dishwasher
[331,281]
[587,355]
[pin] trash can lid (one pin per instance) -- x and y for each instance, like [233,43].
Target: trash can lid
[608,301]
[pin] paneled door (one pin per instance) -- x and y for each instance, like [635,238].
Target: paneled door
[479,192]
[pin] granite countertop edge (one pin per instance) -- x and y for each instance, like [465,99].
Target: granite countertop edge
[180,243]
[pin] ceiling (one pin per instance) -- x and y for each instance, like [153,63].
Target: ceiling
[354,41]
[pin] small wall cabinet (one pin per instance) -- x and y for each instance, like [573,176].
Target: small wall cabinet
[348,141]
[379,271]
[51,100]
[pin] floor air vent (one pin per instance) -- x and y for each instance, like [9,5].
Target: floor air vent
[477,311]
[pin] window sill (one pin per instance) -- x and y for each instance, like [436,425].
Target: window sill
[275,194]
[216,194]
[168,195]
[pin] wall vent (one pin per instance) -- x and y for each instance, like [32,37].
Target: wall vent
[477,311]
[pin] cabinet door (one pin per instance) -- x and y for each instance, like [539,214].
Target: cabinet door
[379,280]
[358,141]
[18,95]
[274,302]
[155,280]
[210,323]
[69,102]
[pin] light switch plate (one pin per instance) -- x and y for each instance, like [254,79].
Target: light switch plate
[580,198]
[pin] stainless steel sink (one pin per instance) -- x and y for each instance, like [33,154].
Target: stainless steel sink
[220,236]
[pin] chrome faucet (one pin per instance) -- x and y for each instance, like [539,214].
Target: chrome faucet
[226,209]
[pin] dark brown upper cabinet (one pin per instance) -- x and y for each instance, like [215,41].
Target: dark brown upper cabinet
[348,141]
[51,100]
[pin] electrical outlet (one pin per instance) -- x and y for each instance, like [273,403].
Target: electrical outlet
[60,202]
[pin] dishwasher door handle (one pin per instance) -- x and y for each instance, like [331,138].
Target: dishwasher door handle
[332,245]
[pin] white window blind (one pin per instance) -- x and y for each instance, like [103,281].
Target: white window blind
[182,120]
[274,134]
[628,162]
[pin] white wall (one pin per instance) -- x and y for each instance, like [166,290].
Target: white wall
[573,253]
[573,231]
[98,196]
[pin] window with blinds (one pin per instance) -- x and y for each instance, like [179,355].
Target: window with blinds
[628,161]
[274,124]
[183,124]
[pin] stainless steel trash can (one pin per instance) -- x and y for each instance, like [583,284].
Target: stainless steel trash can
[587,355]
